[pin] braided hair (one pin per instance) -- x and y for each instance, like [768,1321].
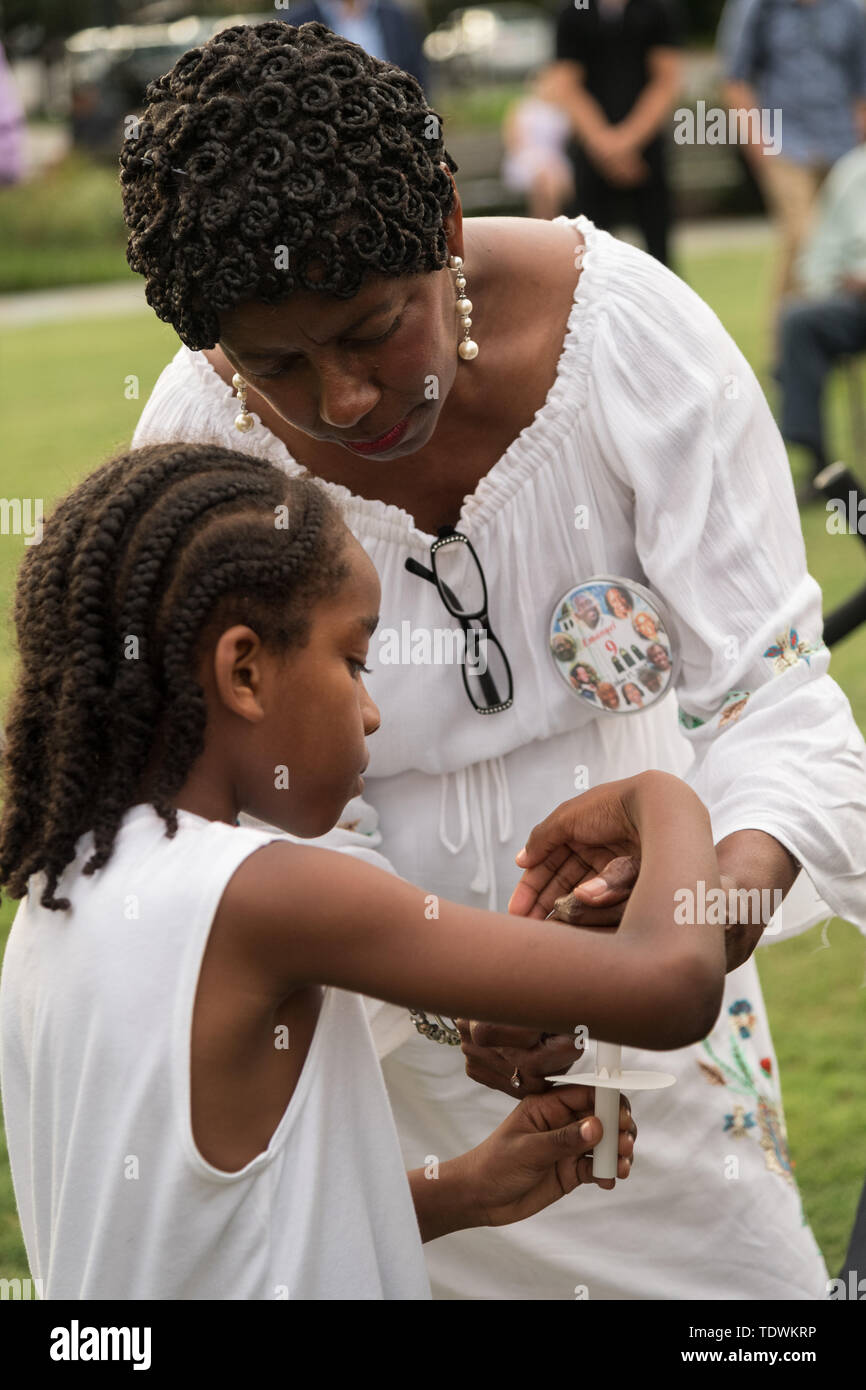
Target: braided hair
[140,567]
[275,146]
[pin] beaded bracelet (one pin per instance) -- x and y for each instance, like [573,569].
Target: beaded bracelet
[437,1032]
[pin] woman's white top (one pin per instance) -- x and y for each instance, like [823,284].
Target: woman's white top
[115,1199]
[654,457]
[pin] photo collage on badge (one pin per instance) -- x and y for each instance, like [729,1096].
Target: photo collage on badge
[610,645]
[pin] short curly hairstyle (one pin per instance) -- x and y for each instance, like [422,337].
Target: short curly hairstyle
[279,144]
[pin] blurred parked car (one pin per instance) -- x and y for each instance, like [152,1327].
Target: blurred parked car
[502,42]
[109,69]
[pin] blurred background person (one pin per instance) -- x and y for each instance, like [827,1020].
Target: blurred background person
[535,134]
[12,128]
[829,321]
[618,75]
[382,28]
[727,37]
[807,59]
[729,27]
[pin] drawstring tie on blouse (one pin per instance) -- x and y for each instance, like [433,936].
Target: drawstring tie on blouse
[476,816]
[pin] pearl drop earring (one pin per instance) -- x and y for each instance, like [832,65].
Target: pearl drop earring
[467,348]
[244,421]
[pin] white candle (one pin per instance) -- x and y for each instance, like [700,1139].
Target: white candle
[605,1154]
[610,1081]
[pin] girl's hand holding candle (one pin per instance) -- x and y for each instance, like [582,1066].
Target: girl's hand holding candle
[537,1154]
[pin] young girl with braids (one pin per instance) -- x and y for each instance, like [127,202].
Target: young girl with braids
[193,1102]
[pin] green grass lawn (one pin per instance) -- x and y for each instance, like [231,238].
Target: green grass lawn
[65,409]
[63,228]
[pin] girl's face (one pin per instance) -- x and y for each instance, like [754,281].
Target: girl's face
[349,370]
[295,756]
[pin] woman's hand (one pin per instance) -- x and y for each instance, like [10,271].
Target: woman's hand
[581,862]
[539,1153]
[596,901]
[588,849]
[496,1055]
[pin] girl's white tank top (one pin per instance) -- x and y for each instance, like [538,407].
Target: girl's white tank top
[114,1198]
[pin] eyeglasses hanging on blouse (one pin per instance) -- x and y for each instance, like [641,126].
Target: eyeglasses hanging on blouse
[456,570]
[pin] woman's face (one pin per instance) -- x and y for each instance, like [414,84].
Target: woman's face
[617,603]
[349,370]
[563,647]
[587,611]
[644,625]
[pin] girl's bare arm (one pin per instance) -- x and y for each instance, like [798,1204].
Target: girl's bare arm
[302,915]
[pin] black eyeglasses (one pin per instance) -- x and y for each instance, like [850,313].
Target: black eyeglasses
[457,569]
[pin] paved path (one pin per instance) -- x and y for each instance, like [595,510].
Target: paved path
[77,302]
[127,297]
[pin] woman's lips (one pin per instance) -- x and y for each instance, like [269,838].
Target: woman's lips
[385,441]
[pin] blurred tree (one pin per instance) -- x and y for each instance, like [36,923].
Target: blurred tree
[701,17]
[58,18]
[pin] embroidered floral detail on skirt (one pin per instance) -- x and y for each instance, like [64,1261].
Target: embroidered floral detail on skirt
[761,1114]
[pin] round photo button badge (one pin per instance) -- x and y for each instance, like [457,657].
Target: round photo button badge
[610,641]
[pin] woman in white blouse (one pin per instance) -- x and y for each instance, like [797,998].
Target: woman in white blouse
[587,416]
